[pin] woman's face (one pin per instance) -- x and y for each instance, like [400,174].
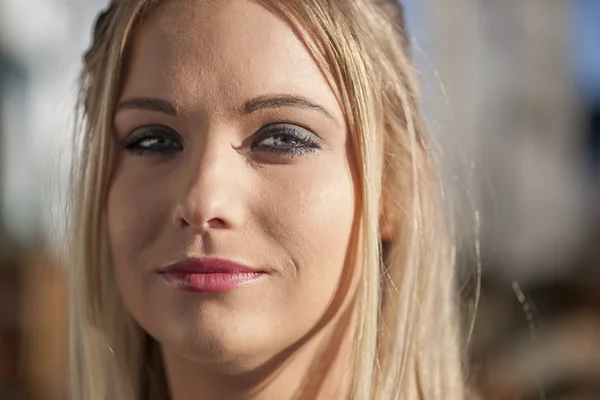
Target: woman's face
[230,145]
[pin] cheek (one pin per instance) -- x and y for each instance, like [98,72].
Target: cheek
[135,217]
[312,221]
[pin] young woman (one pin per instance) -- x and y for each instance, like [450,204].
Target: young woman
[256,210]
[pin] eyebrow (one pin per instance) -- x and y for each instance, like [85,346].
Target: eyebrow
[253,105]
[148,103]
[283,100]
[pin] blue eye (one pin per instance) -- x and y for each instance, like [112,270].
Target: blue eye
[156,140]
[286,139]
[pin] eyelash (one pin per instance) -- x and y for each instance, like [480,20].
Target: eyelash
[306,142]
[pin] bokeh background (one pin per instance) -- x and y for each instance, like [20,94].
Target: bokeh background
[512,97]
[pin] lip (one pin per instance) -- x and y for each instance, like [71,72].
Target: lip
[209,275]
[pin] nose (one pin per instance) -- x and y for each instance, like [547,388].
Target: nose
[211,191]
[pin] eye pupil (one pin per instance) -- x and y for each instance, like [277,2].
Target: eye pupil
[286,140]
[156,142]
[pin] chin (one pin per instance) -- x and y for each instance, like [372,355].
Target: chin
[230,341]
[233,332]
[226,356]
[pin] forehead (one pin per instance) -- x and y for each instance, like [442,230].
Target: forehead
[227,50]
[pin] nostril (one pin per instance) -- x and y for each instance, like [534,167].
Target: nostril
[203,209]
[216,223]
[181,223]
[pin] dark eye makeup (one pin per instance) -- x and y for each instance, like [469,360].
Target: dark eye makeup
[283,139]
[153,140]
[286,140]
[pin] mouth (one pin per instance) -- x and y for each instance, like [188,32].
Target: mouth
[209,275]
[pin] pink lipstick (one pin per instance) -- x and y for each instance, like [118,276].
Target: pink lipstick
[209,275]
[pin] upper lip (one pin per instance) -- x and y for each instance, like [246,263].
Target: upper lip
[208,266]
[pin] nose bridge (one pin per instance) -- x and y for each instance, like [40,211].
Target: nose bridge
[209,186]
[206,167]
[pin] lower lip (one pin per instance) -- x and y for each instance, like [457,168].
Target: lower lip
[210,283]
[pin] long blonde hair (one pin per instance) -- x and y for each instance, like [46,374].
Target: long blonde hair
[407,339]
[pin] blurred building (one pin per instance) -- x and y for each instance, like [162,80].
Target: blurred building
[511,116]
[513,122]
[41,42]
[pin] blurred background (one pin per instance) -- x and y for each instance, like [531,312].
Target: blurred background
[512,98]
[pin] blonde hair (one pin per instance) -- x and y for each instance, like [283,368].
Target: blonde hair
[407,339]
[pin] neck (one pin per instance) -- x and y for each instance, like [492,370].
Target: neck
[317,369]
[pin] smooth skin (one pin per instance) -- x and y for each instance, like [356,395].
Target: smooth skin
[230,143]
